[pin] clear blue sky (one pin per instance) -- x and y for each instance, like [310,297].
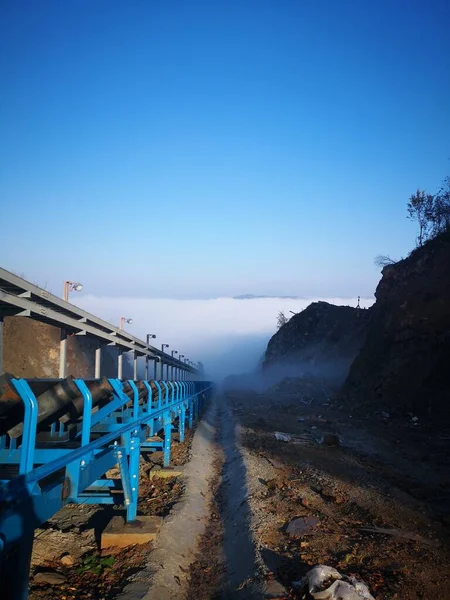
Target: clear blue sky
[188,148]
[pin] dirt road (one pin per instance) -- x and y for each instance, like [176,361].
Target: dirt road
[371,503]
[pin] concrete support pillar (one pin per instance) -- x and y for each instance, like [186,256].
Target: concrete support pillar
[1,346]
[120,364]
[98,361]
[146,368]
[63,355]
[155,369]
[135,366]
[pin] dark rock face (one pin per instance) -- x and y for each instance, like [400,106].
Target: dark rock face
[404,364]
[323,338]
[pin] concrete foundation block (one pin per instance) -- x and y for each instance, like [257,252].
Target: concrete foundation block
[165,473]
[119,534]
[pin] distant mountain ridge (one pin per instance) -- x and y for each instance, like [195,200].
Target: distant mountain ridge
[254,297]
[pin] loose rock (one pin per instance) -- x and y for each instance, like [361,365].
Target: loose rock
[301,525]
[50,577]
[67,560]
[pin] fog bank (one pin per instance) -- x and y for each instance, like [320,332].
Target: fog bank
[228,335]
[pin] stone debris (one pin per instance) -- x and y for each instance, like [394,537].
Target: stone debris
[302,438]
[283,437]
[301,525]
[67,560]
[49,577]
[274,589]
[52,544]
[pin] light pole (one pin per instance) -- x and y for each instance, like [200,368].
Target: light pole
[172,367]
[71,286]
[124,320]
[150,336]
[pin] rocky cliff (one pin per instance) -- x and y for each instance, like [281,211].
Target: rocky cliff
[323,339]
[404,363]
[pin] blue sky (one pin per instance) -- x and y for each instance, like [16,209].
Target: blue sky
[185,148]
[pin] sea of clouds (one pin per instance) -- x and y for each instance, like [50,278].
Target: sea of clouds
[228,335]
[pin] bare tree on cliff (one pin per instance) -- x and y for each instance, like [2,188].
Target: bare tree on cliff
[383,260]
[420,209]
[441,209]
[281,319]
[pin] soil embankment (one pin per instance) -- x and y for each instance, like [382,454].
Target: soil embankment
[31,349]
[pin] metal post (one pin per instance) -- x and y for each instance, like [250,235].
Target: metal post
[98,361]
[182,423]
[120,364]
[63,355]
[135,366]
[167,439]
[1,345]
[134,477]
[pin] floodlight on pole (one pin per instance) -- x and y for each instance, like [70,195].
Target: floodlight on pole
[125,320]
[150,336]
[164,346]
[71,286]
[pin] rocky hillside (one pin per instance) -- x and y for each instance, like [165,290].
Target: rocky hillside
[323,339]
[405,361]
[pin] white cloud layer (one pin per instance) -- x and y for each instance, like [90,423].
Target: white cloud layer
[229,336]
